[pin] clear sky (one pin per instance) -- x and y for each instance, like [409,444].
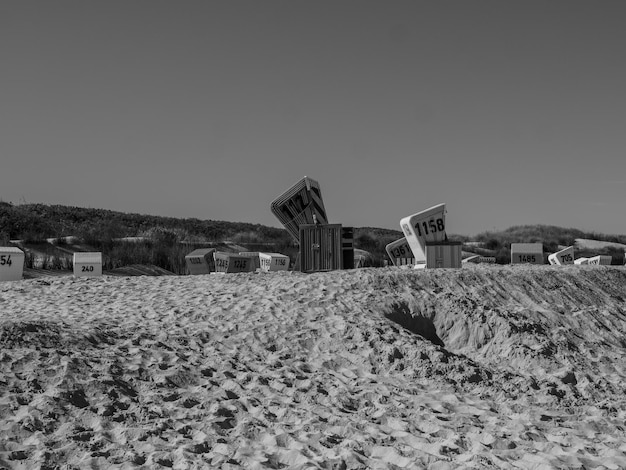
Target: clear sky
[510,112]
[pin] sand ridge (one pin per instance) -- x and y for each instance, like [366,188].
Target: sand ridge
[483,367]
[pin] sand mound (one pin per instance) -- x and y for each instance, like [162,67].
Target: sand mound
[501,367]
[543,323]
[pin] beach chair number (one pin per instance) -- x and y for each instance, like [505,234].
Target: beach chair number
[87,269]
[240,264]
[566,258]
[195,260]
[5,260]
[434,226]
[279,262]
[221,263]
[527,258]
[401,252]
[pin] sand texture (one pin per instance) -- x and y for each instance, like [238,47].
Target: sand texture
[514,367]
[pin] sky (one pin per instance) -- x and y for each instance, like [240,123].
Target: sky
[509,112]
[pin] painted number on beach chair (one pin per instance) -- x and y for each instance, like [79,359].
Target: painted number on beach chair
[240,264]
[5,260]
[221,263]
[87,269]
[402,251]
[433,226]
[527,258]
[566,258]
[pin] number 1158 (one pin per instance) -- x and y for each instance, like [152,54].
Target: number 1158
[432,226]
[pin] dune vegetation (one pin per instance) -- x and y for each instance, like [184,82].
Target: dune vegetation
[127,238]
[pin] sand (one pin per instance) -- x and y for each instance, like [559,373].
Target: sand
[483,367]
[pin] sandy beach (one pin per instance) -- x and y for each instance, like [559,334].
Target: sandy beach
[512,367]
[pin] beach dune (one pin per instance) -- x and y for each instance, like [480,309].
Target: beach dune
[481,367]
